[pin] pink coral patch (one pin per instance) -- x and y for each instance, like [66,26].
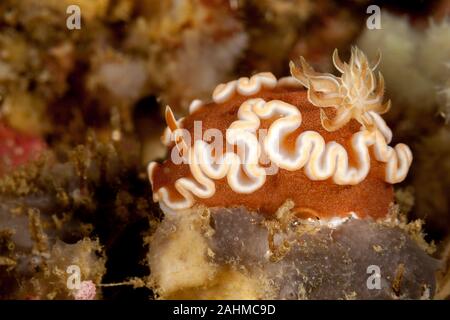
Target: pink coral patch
[87,291]
[17,148]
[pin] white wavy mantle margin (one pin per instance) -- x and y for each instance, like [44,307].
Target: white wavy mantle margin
[320,160]
[244,86]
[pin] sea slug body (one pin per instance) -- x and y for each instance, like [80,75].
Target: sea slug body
[281,189]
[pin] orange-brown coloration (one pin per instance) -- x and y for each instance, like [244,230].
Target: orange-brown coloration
[322,199]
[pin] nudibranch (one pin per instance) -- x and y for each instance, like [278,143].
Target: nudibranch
[282,188]
[262,141]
